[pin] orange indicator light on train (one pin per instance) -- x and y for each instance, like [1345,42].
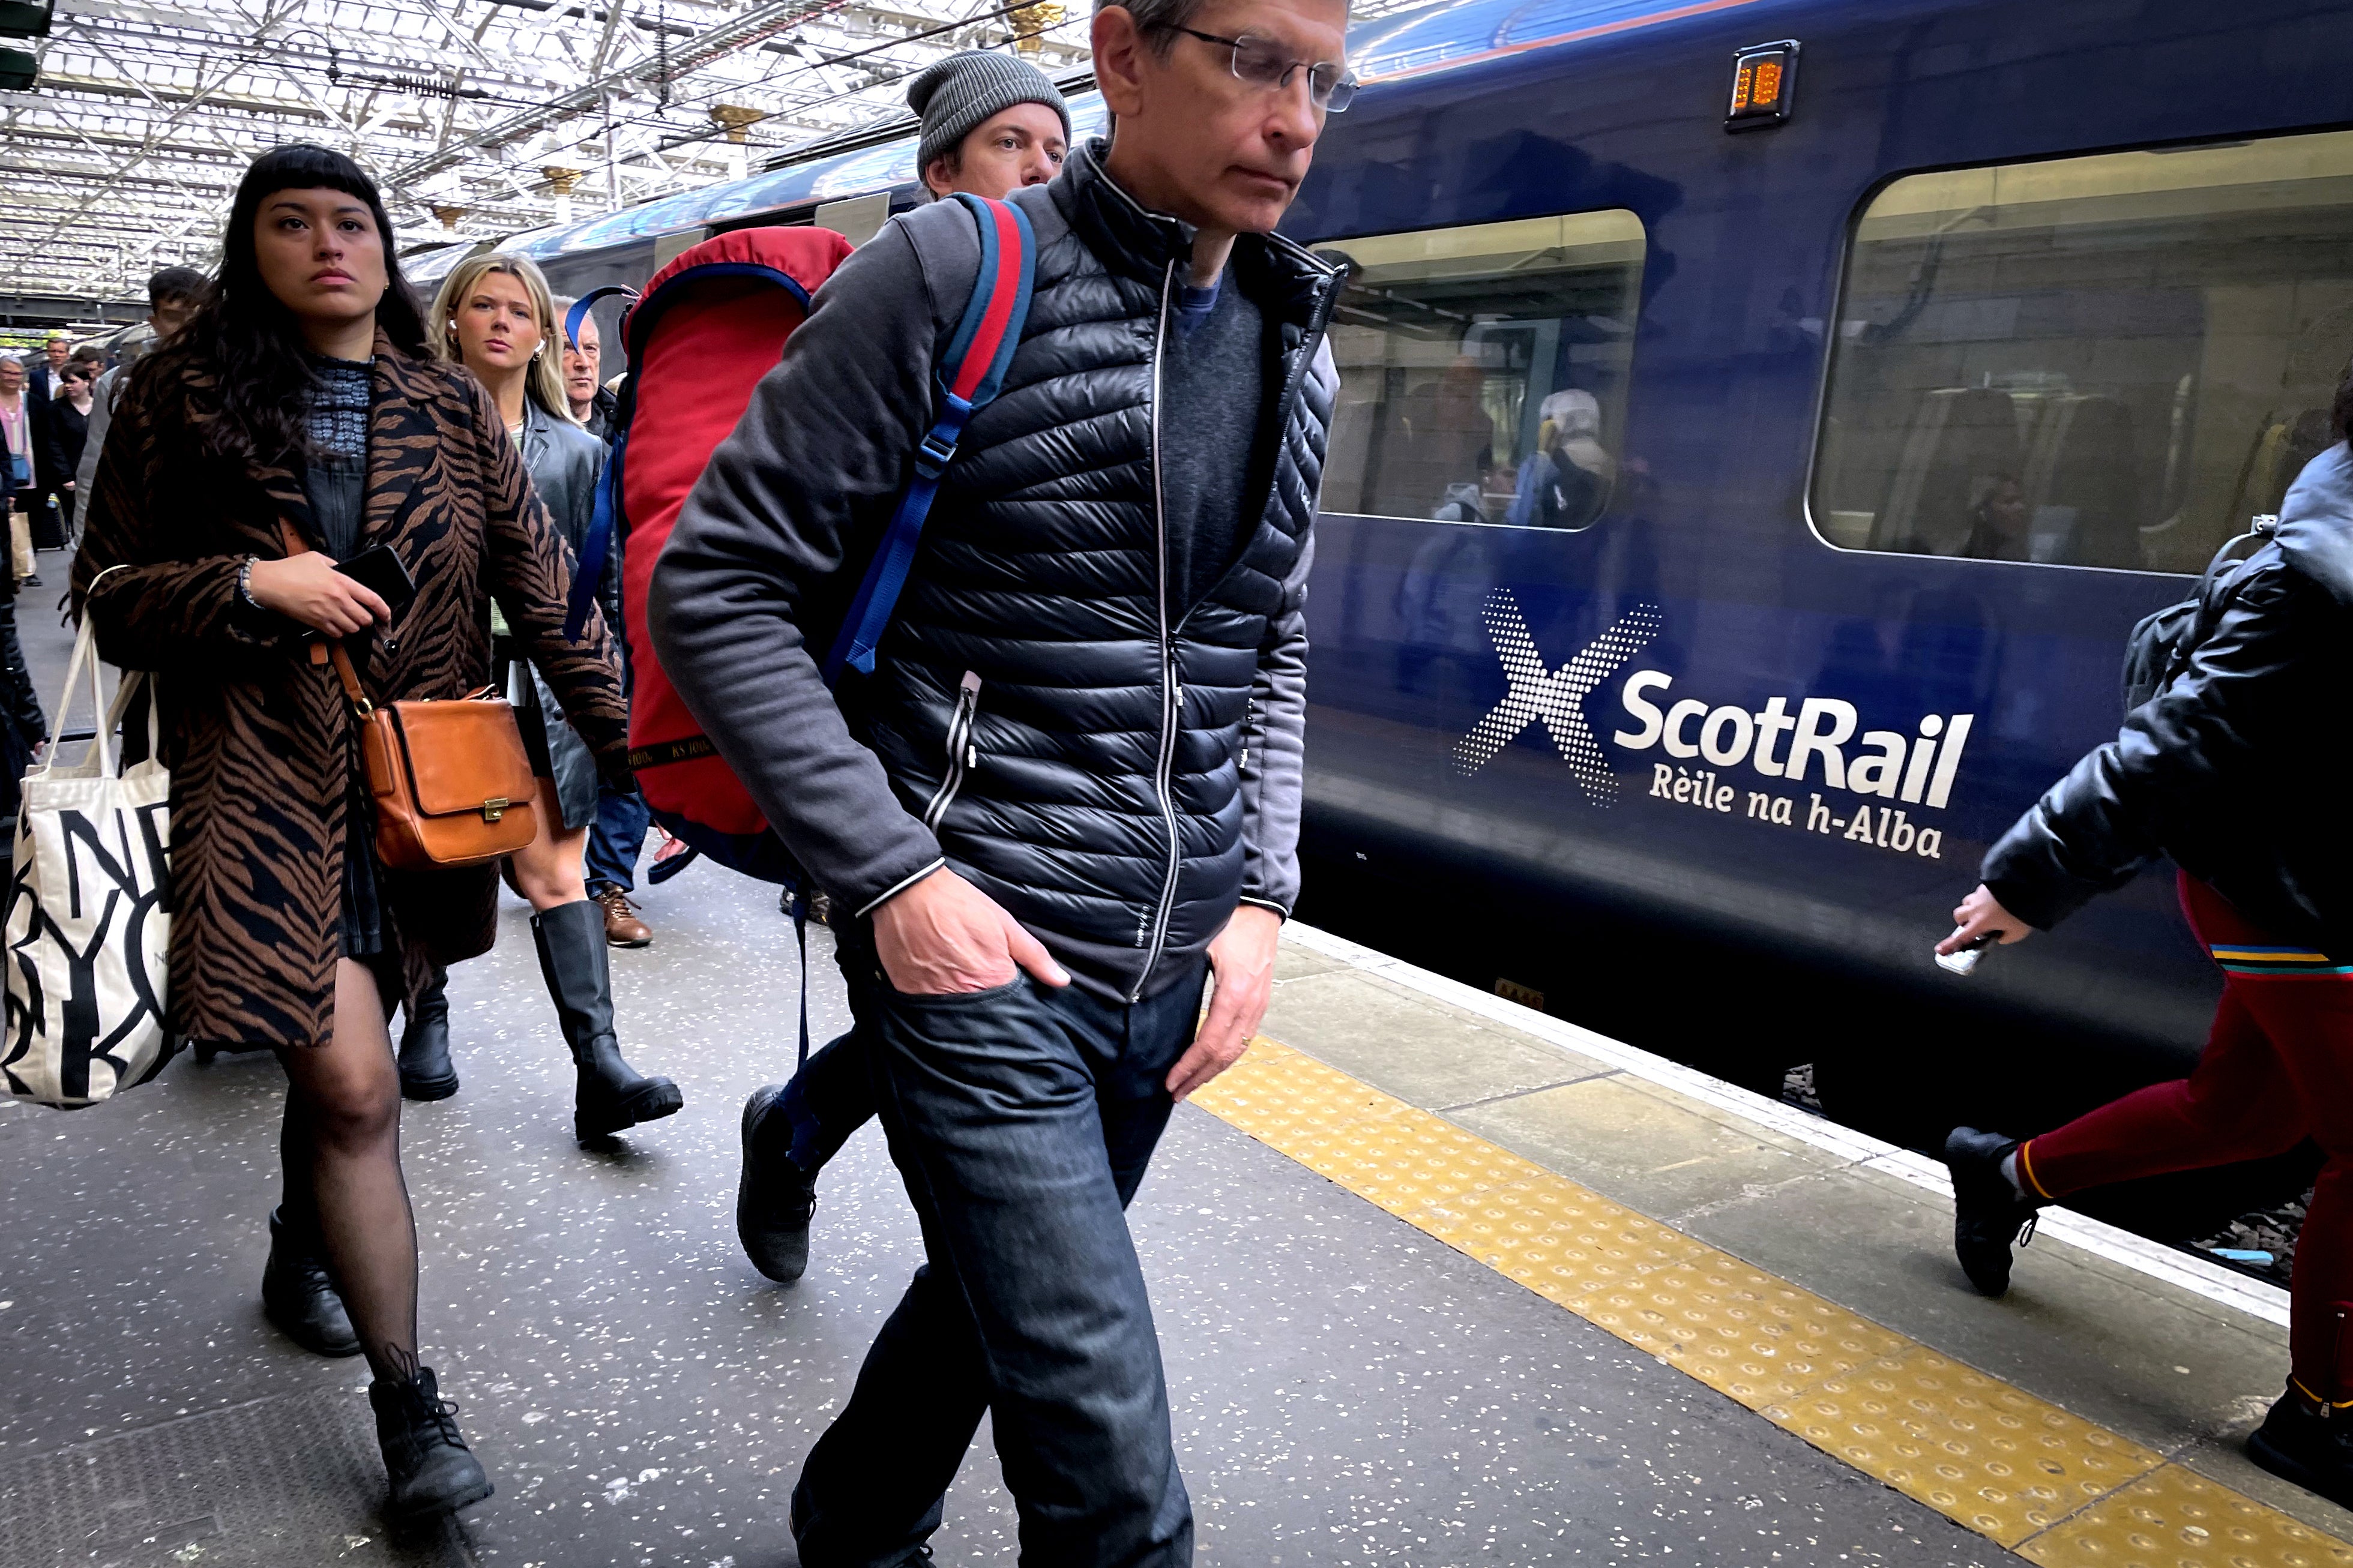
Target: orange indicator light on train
[1763,81]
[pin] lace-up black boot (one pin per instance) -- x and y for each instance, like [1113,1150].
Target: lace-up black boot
[774,1199]
[1988,1215]
[432,1471]
[2308,1443]
[611,1094]
[425,1070]
[297,1297]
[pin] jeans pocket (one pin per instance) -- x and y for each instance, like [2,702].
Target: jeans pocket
[1011,988]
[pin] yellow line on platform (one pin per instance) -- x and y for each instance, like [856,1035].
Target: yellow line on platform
[2017,1469]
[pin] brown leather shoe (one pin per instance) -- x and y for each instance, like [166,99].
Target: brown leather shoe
[622,926]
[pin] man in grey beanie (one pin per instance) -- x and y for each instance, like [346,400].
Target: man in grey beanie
[992,124]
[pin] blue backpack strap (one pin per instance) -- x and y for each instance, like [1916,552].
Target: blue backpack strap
[969,374]
[588,574]
[586,302]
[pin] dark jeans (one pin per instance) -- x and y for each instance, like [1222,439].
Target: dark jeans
[1022,1119]
[616,839]
[830,1098]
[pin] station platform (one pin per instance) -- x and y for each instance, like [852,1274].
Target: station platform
[1440,1281]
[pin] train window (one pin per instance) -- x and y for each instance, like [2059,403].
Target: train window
[1483,370]
[2111,361]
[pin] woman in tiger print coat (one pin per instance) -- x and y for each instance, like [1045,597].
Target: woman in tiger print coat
[303,390]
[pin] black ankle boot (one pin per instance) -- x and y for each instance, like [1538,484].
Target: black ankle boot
[611,1094]
[432,1469]
[426,1069]
[2304,1442]
[774,1199]
[1988,1211]
[297,1297]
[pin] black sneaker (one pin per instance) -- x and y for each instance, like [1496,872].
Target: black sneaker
[432,1469]
[1988,1215]
[2314,1450]
[775,1200]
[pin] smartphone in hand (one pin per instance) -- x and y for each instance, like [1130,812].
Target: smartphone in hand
[1965,961]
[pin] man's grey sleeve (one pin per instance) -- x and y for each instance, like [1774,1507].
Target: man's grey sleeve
[1274,738]
[807,482]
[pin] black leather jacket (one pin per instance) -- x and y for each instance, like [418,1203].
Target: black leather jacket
[2236,768]
[1114,769]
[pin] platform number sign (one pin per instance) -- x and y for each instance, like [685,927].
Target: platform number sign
[1764,84]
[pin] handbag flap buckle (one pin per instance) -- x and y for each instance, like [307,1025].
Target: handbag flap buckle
[495,807]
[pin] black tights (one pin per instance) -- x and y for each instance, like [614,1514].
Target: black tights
[340,1145]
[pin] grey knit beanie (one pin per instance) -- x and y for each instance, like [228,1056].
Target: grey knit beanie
[956,95]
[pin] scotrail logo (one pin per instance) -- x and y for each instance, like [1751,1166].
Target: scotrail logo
[1819,742]
[1554,695]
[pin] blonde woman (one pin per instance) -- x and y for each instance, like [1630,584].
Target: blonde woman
[495,317]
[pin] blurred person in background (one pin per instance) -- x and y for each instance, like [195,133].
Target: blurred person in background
[173,295]
[495,317]
[592,405]
[302,397]
[20,432]
[68,431]
[21,727]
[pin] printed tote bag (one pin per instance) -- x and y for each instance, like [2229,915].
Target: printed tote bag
[87,914]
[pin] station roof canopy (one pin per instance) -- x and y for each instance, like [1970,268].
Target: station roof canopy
[480,118]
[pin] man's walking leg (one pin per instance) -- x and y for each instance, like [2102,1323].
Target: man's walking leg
[991,1102]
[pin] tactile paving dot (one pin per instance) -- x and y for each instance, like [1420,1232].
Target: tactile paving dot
[1280,1096]
[2176,1520]
[1761,1340]
[1556,1237]
[1999,1461]
[1408,1161]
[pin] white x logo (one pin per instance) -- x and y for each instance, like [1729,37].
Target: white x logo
[1554,695]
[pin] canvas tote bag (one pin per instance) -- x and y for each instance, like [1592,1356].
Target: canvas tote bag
[88,916]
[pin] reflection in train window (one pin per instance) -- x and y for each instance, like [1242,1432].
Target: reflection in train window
[1483,370]
[2113,361]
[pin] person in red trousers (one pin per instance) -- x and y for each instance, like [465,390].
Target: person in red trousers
[2232,771]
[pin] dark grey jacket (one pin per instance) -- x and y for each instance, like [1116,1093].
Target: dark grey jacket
[565,462]
[2234,769]
[1115,770]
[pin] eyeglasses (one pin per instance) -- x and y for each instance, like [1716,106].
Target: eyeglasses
[1262,62]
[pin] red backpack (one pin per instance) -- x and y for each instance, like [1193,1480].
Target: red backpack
[708,327]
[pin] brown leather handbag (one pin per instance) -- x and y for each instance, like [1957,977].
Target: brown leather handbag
[452,783]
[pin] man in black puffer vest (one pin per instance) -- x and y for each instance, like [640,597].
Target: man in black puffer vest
[1069,791]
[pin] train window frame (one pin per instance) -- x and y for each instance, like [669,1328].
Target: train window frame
[1603,236]
[2041,170]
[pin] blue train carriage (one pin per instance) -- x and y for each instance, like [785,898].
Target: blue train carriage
[1761,423]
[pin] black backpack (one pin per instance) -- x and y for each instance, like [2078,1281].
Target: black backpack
[2160,646]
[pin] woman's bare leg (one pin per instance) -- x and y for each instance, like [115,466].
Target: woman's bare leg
[548,871]
[343,1112]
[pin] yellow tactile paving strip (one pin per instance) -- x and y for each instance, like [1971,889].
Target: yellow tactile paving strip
[1991,1458]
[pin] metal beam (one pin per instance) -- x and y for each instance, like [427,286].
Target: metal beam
[760,23]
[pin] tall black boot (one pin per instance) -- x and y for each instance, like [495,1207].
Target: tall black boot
[425,1070]
[297,1297]
[612,1094]
[432,1469]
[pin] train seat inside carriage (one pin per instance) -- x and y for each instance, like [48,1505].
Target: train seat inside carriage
[2113,361]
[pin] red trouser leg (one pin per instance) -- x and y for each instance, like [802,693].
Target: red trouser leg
[2277,1067]
[2239,1104]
